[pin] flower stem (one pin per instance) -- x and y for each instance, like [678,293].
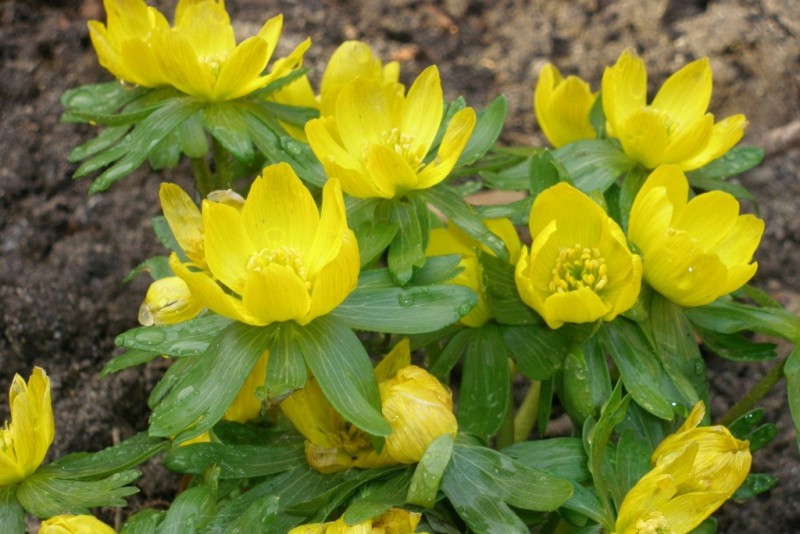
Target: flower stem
[223,166]
[756,393]
[203,180]
[527,413]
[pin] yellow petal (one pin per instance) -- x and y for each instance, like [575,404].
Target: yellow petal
[458,132]
[312,415]
[686,93]
[335,280]
[579,306]
[168,301]
[423,110]
[74,524]
[687,141]
[708,218]
[247,406]
[398,358]
[390,170]
[724,136]
[644,137]
[207,28]
[270,32]
[228,246]
[276,293]
[349,61]
[624,89]
[280,211]
[332,226]
[562,107]
[362,116]
[571,209]
[239,75]
[685,512]
[320,134]
[184,220]
[178,61]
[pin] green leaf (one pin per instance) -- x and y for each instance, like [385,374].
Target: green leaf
[487,130]
[259,517]
[128,359]
[745,424]
[597,116]
[191,136]
[518,211]
[709,526]
[12,516]
[437,270]
[343,370]
[560,457]
[481,484]
[430,469]
[728,317]
[145,136]
[167,153]
[718,184]
[204,391]
[377,500]
[574,387]
[542,172]
[538,351]
[236,461]
[95,465]
[632,462]
[736,161]
[189,511]
[514,178]
[630,188]
[501,293]
[639,367]
[593,165]
[294,115]
[157,266]
[373,237]
[463,216]
[451,353]
[100,98]
[189,338]
[677,350]
[225,122]
[597,371]
[43,495]
[792,373]
[286,370]
[755,484]
[485,383]
[144,521]
[166,237]
[407,248]
[762,436]
[736,347]
[105,139]
[413,310]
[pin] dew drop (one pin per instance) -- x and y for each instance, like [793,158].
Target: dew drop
[405,300]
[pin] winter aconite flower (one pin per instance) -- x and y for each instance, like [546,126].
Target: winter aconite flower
[25,440]
[674,127]
[392,521]
[74,524]
[562,107]
[416,405]
[168,301]
[198,55]
[452,240]
[694,251]
[277,258]
[377,140]
[695,471]
[579,269]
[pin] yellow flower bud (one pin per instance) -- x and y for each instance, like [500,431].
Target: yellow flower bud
[693,251]
[674,127]
[562,107]
[452,240]
[376,140]
[579,269]
[277,258]
[393,521]
[168,301]
[24,442]
[695,471]
[74,524]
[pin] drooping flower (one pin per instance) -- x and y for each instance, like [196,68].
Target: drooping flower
[392,521]
[351,60]
[452,240]
[24,442]
[675,127]
[198,55]
[277,258]
[416,405]
[168,301]
[376,141]
[695,470]
[562,107]
[74,524]
[695,251]
[579,268]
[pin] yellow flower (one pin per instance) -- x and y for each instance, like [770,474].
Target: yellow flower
[168,301]
[579,269]
[24,441]
[562,107]
[376,140]
[74,524]
[392,521]
[124,46]
[351,60]
[695,471]
[418,408]
[198,56]
[675,127]
[452,240]
[695,251]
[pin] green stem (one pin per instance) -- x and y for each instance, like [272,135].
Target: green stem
[203,180]
[223,166]
[528,411]
[756,393]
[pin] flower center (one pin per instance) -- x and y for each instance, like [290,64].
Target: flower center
[579,267]
[214,62]
[403,144]
[655,524]
[288,257]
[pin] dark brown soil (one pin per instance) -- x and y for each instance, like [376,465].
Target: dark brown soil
[63,254]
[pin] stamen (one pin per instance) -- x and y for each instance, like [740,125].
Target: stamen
[579,267]
[285,256]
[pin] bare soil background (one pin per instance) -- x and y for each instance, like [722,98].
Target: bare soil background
[63,254]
